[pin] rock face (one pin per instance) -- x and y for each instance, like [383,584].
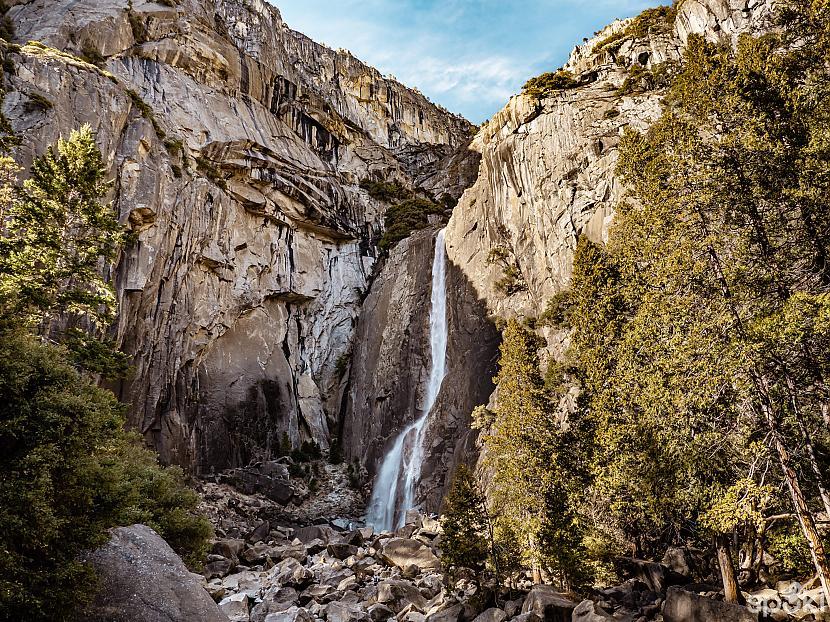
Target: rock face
[237,146]
[390,367]
[141,579]
[547,171]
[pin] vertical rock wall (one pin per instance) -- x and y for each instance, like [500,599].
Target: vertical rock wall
[237,147]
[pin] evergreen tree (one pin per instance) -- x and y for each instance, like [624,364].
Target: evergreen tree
[466,525]
[699,329]
[523,442]
[59,237]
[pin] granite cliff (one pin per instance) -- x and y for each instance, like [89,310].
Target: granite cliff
[237,148]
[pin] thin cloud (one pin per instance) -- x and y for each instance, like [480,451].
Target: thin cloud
[468,55]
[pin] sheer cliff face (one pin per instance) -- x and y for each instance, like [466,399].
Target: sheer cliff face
[547,171]
[237,147]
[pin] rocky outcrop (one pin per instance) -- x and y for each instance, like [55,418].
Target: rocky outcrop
[547,171]
[390,367]
[237,147]
[141,579]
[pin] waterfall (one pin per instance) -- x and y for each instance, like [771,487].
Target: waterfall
[402,465]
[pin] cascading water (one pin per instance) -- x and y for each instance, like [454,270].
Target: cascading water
[402,464]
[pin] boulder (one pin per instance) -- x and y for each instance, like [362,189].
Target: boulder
[527,617]
[656,576]
[548,604]
[259,533]
[397,595]
[274,601]
[141,579]
[230,549]
[290,573]
[344,612]
[589,611]
[294,614]
[325,533]
[491,615]
[341,550]
[379,612]
[236,607]
[450,614]
[218,568]
[403,552]
[684,606]
[258,553]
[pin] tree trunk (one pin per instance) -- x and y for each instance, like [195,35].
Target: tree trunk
[731,589]
[805,516]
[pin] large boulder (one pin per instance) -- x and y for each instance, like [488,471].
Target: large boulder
[684,606]
[141,579]
[491,615]
[294,614]
[589,611]
[404,552]
[548,604]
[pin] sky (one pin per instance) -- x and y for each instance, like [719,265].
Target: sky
[468,55]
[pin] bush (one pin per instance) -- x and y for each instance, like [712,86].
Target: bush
[549,83]
[465,541]
[70,472]
[404,218]
[658,20]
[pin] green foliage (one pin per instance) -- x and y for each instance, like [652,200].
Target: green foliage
[38,102]
[90,54]
[137,25]
[58,234]
[7,30]
[386,191]
[527,451]
[405,217]
[336,452]
[700,329]
[659,20]
[549,83]
[465,523]
[147,112]
[70,472]
[641,80]
[511,281]
[209,169]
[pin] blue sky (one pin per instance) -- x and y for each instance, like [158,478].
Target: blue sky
[468,55]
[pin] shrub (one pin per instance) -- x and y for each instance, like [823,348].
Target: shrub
[465,543]
[211,171]
[387,191]
[549,83]
[404,218]
[7,31]
[69,473]
[659,20]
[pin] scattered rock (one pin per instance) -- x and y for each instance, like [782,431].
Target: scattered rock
[491,615]
[236,607]
[341,550]
[589,611]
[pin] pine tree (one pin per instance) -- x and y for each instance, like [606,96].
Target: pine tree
[467,537]
[700,327]
[60,238]
[523,442]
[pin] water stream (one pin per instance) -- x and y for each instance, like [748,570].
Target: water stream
[400,471]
